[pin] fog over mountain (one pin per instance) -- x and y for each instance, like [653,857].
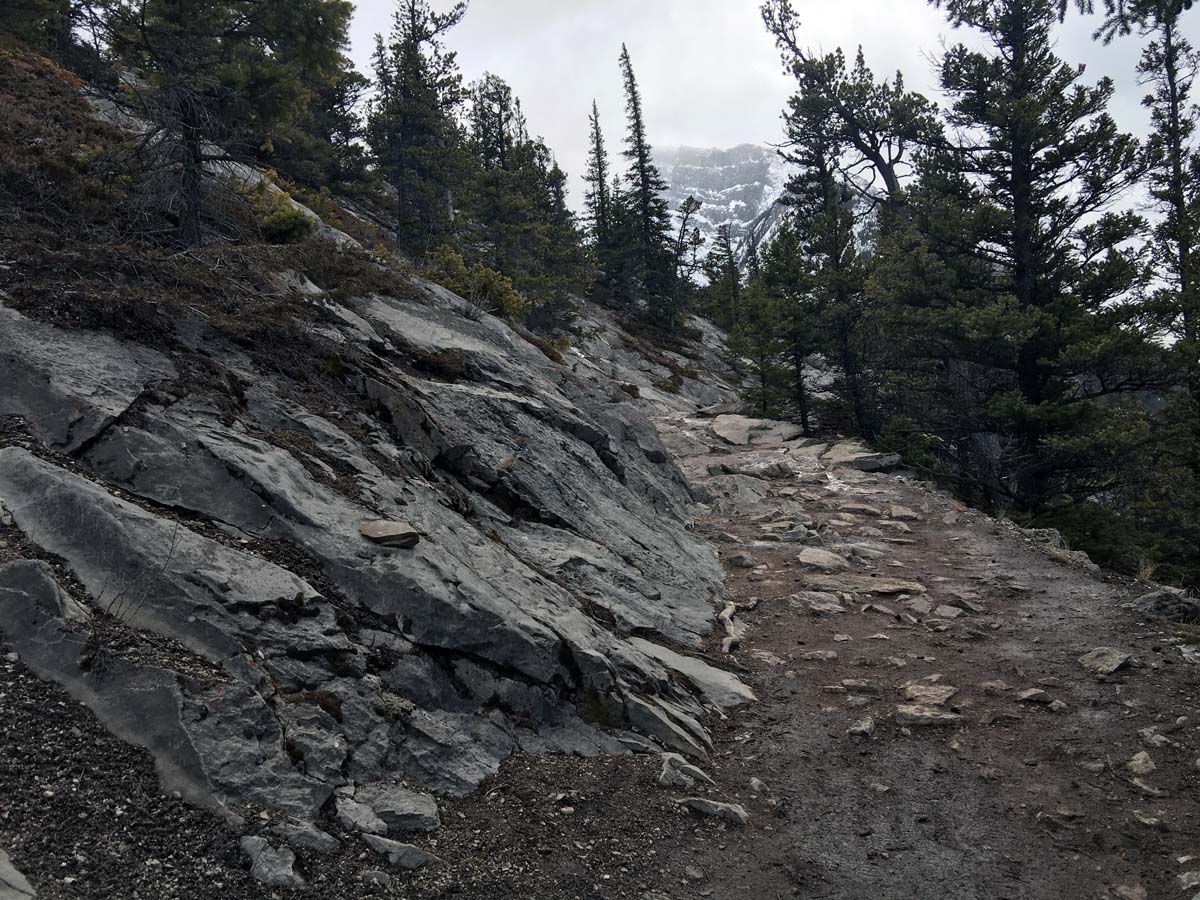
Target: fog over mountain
[739,186]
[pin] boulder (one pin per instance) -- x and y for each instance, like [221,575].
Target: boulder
[822,560]
[1170,606]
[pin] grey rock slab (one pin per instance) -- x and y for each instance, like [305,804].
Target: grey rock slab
[852,455]
[742,430]
[212,745]
[653,718]
[13,885]
[1105,660]
[730,812]
[269,865]
[723,689]
[157,574]
[402,856]
[400,808]
[70,385]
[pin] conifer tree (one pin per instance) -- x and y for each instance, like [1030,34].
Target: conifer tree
[598,199]
[1042,146]
[650,239]
[724,280]
[214,80]
[411,124]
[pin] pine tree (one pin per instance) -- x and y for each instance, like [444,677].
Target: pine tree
[878,124]
[755,348]
[516,218]
[724,280]
[411,123]
[44,25]
[649,215]
[214,80]
[1048,163]
[598,199]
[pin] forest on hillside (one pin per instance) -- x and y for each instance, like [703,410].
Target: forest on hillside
[1001,286]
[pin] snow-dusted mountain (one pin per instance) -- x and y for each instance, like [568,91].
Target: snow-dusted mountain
[740,186]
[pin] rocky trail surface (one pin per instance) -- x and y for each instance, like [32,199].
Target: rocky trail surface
[949,706]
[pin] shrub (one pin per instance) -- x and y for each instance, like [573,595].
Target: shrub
[484,289]
[279,221]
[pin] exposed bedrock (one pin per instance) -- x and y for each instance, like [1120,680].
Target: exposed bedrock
[272,649]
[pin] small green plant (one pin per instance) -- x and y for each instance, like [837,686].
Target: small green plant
[484,289]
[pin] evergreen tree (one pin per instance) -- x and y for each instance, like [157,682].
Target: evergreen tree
[649,242]
[1169,65]
[598,199]
[44,25]
[878,125]
[215,75]
[1043,148]
[411,124]
[517,220]
[755,348]
[323,147]
[724,280]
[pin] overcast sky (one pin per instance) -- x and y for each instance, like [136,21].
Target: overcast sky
[709,72]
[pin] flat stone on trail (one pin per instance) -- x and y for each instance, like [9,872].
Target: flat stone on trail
[861,509]
[730,812]
[818,656]
[818,603]
[823,560]
[403,856]
[1035,695]
[923,693]
[925,716]
[1104,660]
[389,533]
[864,584]
[945,611]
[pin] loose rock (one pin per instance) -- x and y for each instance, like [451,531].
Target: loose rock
[730,812]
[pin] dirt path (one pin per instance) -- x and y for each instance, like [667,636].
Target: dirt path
[1004,797]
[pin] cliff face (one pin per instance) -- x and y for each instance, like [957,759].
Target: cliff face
[425,546]
[739,187]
